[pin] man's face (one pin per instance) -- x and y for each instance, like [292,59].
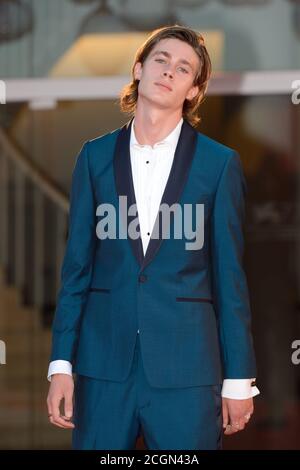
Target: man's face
[167,75]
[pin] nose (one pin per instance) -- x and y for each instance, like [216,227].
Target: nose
[166,73]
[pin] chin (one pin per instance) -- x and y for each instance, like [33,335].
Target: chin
[160,100]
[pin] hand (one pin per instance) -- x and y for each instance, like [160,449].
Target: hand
[236,414]
[61,387]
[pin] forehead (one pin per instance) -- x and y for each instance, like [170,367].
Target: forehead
[177,49]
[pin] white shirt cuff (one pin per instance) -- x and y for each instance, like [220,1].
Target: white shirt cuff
[239,389]
[59,367]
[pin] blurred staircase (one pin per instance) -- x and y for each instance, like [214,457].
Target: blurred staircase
[32,238]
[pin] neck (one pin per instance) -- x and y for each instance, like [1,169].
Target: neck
[153,125]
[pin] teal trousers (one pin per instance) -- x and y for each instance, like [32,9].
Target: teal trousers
[112,415]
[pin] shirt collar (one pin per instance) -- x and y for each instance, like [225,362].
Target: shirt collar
[171,139]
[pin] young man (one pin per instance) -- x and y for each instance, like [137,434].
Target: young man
[157,332]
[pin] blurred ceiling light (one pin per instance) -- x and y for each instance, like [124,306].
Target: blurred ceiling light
[99,55]
[113,54]
[16,19]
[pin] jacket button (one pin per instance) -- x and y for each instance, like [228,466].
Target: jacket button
[142,278]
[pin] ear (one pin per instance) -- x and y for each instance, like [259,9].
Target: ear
[192,92]
[137,71]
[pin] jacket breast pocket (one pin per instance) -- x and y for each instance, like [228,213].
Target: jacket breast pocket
[194,299]
[99,289]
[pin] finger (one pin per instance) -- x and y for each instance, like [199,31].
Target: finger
[56,424]
[227,431]
[241,426]
[60,421]
[55,408]
[63,422]
[225,415]
[68,406]
[247,417]
[230,429]
[57,418]
[49,408]
[234,426]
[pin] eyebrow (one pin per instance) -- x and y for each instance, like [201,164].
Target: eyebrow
[167,54]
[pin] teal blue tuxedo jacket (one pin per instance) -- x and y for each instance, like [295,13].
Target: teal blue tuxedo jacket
[191,306]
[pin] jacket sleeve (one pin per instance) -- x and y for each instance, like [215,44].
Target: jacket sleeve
[77,264]
[230,289]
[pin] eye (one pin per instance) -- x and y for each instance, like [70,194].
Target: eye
[159,60]
[184,70]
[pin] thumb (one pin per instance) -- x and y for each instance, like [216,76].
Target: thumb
[68,406]
[225,413]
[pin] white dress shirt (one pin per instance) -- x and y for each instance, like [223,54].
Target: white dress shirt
[150,171]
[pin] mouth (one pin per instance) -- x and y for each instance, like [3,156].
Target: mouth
[164,86]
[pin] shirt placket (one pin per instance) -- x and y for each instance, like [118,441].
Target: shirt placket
[148,190]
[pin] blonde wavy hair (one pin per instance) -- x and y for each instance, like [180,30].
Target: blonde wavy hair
[190,111]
